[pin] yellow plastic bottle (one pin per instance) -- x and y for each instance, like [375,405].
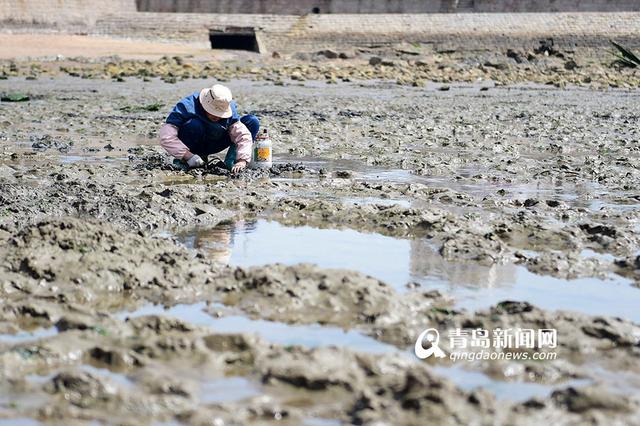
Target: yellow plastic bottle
[262,157]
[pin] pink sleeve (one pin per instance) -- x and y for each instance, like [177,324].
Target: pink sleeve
[171,143]
[241,136]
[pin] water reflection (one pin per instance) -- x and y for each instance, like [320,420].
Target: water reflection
[512,391]
[249,243]
[217,241]
[400,261]
[428,266]
[313,335]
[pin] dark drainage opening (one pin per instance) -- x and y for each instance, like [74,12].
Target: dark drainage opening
[234,38]
[315,10]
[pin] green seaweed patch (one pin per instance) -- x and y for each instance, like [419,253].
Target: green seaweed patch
[101,330]
[444,311]
[15,97]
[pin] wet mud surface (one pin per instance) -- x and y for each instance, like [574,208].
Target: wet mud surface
[137,293]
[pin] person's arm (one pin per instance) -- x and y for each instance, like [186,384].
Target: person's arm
[172,144]
[241,136]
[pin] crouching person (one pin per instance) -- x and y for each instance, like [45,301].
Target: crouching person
[208,122]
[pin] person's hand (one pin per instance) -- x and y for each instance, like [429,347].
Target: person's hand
[240,165]
[195,161]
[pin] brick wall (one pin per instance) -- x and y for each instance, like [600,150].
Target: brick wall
[300,7]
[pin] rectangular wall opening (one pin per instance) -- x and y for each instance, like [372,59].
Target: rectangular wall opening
[234,38]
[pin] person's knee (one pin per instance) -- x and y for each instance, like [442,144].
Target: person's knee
[252,122]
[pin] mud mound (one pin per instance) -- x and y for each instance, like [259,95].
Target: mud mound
[73,252]
[308,294]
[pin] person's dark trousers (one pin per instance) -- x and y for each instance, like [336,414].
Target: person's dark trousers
[195,135]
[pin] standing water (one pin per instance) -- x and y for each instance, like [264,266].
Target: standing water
[401,261]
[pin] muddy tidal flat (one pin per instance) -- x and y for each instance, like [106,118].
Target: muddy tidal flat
[132,292]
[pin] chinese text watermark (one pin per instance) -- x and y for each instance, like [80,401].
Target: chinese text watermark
[481,344]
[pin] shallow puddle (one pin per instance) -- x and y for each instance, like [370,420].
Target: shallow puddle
[603,205]
[512,391]
[614,296]
[367,201]
[115,378]
[20,421]
[591,254]
[118,379]
[400,261]
[357,201]
[227,389]
[251,243]
[72,159]
[620,381]
[231,389]
[274,332]
[320,422]
[28,336]
[18,402]
[587,195]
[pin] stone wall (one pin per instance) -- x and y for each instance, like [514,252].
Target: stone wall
[298,7]
[548,6]
[315,32]
[60,12]
[301,7]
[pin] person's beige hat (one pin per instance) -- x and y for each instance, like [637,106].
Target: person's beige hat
[216,100]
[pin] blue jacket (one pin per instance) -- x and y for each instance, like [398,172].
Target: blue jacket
[190,107]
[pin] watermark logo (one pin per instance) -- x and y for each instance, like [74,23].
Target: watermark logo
[481,344]
[433,337]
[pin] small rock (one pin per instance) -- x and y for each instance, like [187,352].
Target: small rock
[296,75]
[496,65]
[344,174]
[608,231]
[580,400]
[329,54]
[516,56]
[166,193]
[510,307]
[432,294]
[570,65]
